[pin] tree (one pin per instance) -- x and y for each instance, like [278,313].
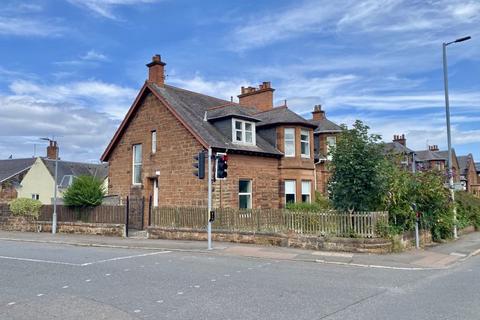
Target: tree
[25,207]
[85,191]
[356,182]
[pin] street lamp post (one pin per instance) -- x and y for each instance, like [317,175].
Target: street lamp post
[449,136]
[55,187]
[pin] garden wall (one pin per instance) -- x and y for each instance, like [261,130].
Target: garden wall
[293,240]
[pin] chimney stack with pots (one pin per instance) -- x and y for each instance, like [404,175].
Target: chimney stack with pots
[52,150]
[156,71]
[260,98]
[318,113]
[433,148]
[400,139]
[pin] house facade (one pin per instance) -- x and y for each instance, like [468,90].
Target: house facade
[468,174]
[435,159]
[271,150]
[38,183]
[12,172]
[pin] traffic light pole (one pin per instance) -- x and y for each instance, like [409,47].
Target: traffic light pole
[209,172]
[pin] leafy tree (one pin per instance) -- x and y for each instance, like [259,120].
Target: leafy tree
[357,180]
[85,191]
[25,207]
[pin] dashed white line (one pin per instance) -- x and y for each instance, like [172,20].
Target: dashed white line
[226,275]
[64,287]
[159,301]
[88,280]
[126,270]
[107,274]
[11,303]
[213,280]
[40,294]
[196,286]
[137,311]
[180,292]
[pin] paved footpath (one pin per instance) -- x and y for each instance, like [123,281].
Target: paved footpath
[439,256]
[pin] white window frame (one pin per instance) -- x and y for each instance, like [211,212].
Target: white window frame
[307,192]
[245,193]
[289,141]
[35,196]
[294,190]
[307,142]
[137,164]
[243,131]
[329,145]
[154,141]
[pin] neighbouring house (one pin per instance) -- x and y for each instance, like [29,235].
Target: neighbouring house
[434,159]
[271,154]
[12,172]
[38,183]
[325,137]
[402,155]
[468,174]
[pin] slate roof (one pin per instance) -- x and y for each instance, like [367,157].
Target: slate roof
[75,169]
[11,167]
[232,110]
[427,155]
[463,164]
[281,115]
[325,126]
[396,148]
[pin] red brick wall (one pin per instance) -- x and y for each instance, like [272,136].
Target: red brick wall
[176,147]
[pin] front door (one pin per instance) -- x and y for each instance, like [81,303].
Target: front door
[155,193]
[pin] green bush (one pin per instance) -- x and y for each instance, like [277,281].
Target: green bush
[25,207]
[468,210]
[85,192]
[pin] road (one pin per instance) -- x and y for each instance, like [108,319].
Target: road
[56,281]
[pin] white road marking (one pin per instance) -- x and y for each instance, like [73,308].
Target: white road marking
[213,280]
[376,266]
[238,271]
[107,274]
[226,275]
[180,292]
[157,262]
[40,260]
[457,254]
[11,303]
[142,266]
[40,294]
[125,257]
[64,287]
[196,286]
[88,280]
[126,270]
[137,311]
[250,268]
[159,301]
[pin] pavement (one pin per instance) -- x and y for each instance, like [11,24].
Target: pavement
[438,256]
[73,277]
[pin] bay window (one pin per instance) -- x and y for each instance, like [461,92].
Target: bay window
[305,143]
[289,142]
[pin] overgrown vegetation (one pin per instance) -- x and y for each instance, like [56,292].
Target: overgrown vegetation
[468,210]
[85,192]
[321,204]
[25,207]
[356,183]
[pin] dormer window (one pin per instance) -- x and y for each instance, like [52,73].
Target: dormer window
[243,132]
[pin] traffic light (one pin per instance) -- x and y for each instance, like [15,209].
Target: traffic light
[199,165]
[222,166]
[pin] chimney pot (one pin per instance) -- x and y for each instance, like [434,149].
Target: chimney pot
[318,113]
[261,97]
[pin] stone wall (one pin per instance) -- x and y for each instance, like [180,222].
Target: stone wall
[293,240]
[28,225]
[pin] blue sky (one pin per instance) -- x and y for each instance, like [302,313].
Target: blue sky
[72,68]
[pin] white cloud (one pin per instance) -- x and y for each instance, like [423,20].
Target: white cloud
[105,8]
[18,26]
[83,115]
[93,55]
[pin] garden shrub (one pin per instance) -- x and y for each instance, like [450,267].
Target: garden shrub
[85,192]
[25,207]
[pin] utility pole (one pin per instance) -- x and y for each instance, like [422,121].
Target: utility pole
[53,143]
[449,135]
[209,172]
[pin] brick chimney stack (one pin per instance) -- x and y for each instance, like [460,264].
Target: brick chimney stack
[52,150]
[318,113]
[261,97]
[433,148]
[156,71]
[400,139]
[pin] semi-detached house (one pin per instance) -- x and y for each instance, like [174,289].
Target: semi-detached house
[275,156]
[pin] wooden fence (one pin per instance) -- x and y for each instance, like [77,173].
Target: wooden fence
[100,214]
[358,224]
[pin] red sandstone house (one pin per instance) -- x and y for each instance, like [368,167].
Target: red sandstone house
[275,156]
